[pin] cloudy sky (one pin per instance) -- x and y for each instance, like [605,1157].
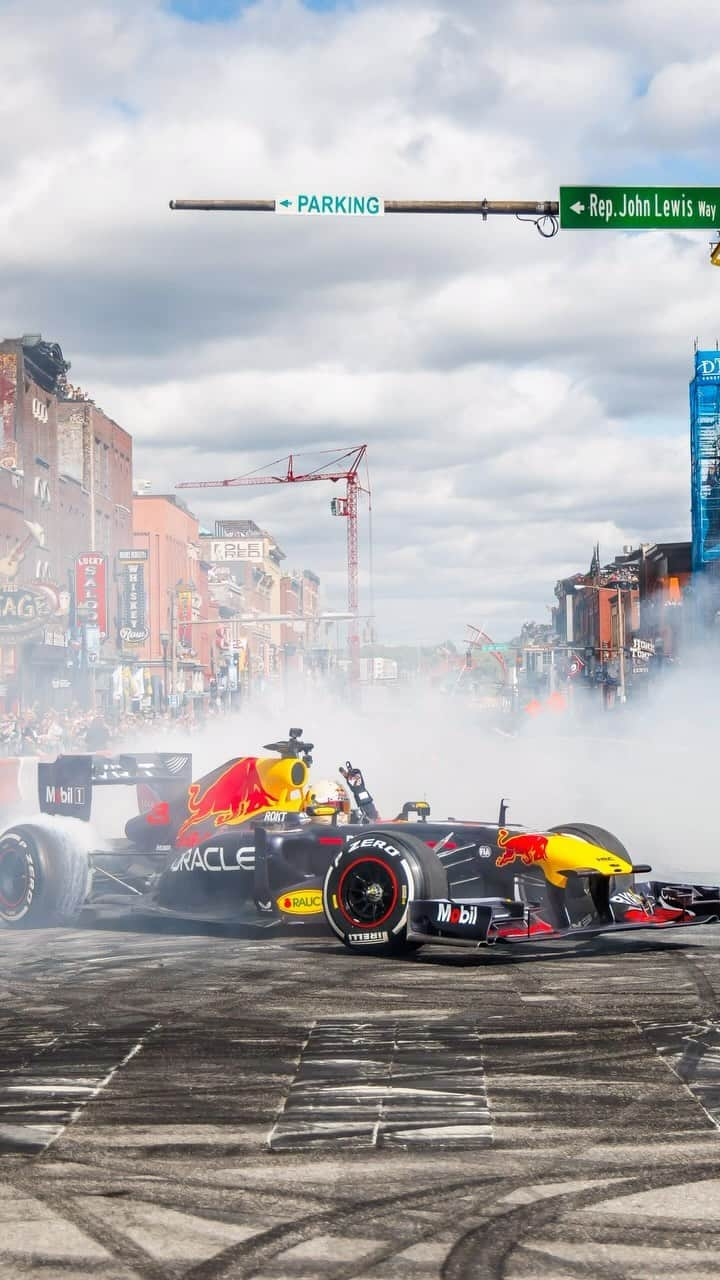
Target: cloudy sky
[521,398]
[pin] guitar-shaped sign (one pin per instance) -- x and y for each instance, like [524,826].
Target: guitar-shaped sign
[10,564]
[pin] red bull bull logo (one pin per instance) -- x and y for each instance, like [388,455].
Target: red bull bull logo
[528,847]
[233,793]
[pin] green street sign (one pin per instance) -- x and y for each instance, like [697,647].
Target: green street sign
[495,648]
[641,208]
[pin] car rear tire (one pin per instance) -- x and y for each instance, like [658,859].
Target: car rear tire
[44,876]
[594,835]
[370,884]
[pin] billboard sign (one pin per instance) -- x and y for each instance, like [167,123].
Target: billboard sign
[91,591]
[222,552]
[24,611]
[133,625]
[92,645]
[705,458]
[132,554]
[707,366]
[184,617]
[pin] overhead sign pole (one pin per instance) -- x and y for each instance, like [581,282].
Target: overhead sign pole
[544,213]
[587,208]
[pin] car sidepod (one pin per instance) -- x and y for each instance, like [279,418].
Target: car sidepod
[246,873]
[213,879]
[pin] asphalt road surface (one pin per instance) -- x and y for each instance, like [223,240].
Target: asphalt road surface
[205,1105]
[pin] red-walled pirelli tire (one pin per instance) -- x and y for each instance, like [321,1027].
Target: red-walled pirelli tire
[370,884]
[44,876]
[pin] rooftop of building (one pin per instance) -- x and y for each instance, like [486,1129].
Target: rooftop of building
[237,529]
[164,497]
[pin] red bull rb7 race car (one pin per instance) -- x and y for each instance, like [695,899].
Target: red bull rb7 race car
[257,842]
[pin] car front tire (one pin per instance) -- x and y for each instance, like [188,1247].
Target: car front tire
[370,884]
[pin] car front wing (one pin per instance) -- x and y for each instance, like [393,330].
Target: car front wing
[484,922]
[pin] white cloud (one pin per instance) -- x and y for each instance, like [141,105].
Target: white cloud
[521,398]
[680,96]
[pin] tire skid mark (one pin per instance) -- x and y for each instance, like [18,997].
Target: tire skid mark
[251,1257]
[119,1245]
[106,1080]
[246,1259]
[468,1196]
[622,1225]
[481,1253]
[691,1049]
[386,1082]
[240,1263]
[48,1092]
[662,1178]
[219,1202]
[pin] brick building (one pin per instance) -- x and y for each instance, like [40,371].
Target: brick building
[65,491]
[599,610]
[245,566]
[291,639]
[248,583]
[180,616]
[95,500]
[665,575]
[95,456]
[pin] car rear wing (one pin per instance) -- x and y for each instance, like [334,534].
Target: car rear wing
[66,785]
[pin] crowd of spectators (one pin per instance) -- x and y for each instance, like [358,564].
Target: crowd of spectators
[50,733]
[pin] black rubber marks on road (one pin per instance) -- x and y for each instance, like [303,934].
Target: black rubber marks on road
[47,1083]
[386,1083]
[692,1051]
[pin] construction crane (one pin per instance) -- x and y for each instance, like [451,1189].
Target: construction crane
[341,466]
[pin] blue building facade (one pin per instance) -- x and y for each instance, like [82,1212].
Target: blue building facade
[705,461]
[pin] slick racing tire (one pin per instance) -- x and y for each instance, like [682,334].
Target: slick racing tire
[370,884]
[594,835]
[44,877]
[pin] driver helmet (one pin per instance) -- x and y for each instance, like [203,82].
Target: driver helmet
[326,793]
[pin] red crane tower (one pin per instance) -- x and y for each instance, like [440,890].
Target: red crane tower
[342,466]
